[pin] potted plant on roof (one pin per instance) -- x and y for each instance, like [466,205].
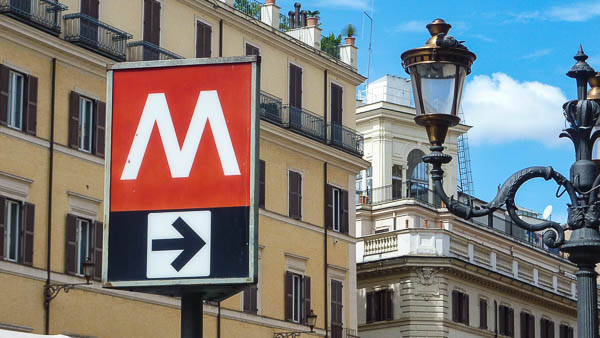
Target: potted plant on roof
[312,18]
[270,2]
[349,31]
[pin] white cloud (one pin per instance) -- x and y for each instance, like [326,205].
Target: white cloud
[538,53]
[411,26]
[502,109]
[578,12]
[353,4]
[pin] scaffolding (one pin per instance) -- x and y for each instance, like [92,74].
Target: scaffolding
[465,179]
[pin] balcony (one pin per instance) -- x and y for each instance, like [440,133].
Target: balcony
[304,122]
[96,36]
[270,108]
[42,14]
[389,193]
[345,138]
[146,51]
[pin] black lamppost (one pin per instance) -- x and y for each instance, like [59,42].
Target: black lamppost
[438,72]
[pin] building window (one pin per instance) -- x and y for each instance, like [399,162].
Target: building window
[18,100]
[369,174]
[252,50]
[396,181]
[336,309]
[418,180]
[337,105]
[15,100]
[336,218]
[565,331]
[527,325]
[506,321]
[251,299]
[16,231]
[460,307]
[295,99]
[358,186]
[203,40]
[546,328]
[151,31]
[297,297]
[261,184]
[86,124]
[83,242]
[483,314]
[380,305]
[295,194]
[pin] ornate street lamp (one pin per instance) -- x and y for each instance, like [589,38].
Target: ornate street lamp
[52,290]
[437,72]
[311,320]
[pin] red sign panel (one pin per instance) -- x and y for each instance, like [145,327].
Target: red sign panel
[181,137]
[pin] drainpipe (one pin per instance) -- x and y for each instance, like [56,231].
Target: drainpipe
[50,176]
[221,38]
[325,246]
[219,313]
[325,107]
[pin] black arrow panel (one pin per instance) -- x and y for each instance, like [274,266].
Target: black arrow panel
[128,240]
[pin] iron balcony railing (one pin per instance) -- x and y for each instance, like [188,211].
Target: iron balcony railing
[146,51]
[97,36]
[416,191]
[270,108]
[345,138]
[43,14]
[304,122]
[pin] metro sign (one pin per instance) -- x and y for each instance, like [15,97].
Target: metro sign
[181,175]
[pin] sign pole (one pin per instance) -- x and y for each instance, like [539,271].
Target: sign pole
[191,316]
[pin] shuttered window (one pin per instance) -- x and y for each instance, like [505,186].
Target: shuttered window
[151,22]
[336,309]
[380,305]
[252,50]
[483,314]
[203,40]
[295,86]
[546,328]
[250,298]
[295,194]
[460,307]
[18,100]
[506,321]
[565,331]
[527,325]
[16,231]
[261,184]
[83,242]
[90,8]
[336,104]
[297,297]
[336,217]
[87,120]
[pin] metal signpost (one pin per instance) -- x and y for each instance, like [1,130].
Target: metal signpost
[181,180]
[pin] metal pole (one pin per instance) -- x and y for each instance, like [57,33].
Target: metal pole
[587,302]
[191,316]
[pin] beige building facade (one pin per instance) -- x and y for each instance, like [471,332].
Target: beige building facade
[53,58]
[422,272]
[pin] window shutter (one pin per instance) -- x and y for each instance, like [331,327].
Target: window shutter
[250,299]
[295,184]
[298,87]
[465,309]
[455,306]
[550,329]
[147,20]
[389,304]
[370,306]
[483,314]
[2,225]
[207,41]
[305,298]
[344,219]
[3,96]
[531,324]
[288,289]
[71,245]
[292,98]
[261,183]
[155,37]
[97,259]
[329,206]
[570,332]
[30,105]
[336,104]
[99,128]
[502,319]
[74,120]
[523,320]
[26,234]
[511,322]
[199,39]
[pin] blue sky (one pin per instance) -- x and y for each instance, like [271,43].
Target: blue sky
[514,95]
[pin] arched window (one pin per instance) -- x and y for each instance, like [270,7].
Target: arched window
[418,177]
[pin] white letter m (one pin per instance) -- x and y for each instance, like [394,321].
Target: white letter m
[180,160]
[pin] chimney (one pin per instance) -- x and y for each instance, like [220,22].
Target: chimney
[299,30]
[269,13]
[229,2]
[349,53]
